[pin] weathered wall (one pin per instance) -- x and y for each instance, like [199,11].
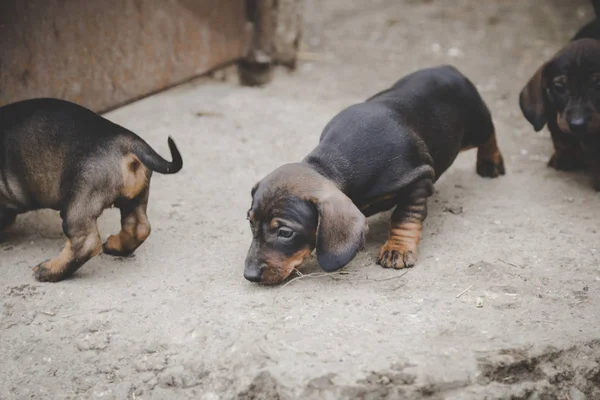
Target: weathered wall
[103,53]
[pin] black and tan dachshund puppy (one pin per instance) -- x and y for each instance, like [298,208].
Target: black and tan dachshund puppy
[564,94]
[59,155]
[383,153]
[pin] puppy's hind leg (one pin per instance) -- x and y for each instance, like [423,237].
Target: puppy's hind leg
[135,227]
[400,249]
[480,133]
[83,240]
[490,163]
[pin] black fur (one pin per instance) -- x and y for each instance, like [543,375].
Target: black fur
[409,132]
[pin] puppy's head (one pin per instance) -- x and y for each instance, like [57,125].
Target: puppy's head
[566,88]
[294,211]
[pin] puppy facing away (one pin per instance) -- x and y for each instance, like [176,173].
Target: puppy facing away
[592,28]
[564,94]
[59,155]
[383,153]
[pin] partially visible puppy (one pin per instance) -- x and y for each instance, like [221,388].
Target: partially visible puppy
[59,155]
[592,28]
[383,153]
[564,93]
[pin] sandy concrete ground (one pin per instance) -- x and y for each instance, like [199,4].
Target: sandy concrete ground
[178,320]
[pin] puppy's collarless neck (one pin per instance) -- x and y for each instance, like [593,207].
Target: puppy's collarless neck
[333,168]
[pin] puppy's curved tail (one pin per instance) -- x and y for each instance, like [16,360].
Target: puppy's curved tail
[152,160]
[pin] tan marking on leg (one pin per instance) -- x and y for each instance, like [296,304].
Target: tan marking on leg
[489,151]
[57,265]
[129,238]
[400,249]
[70,258]
[489,159]
[135,176]
[135,229]
[406,236]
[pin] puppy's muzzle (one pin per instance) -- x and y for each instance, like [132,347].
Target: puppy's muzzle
[578,125]
[254,271]
[578,118]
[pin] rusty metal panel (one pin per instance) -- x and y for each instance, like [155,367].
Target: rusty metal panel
[103,53]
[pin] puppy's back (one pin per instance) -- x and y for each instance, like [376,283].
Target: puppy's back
[433,92]
[443,107]
[45,141]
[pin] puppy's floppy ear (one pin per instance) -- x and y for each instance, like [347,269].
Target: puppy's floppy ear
[252,193]
[532,102]
[254,189]
[341,230]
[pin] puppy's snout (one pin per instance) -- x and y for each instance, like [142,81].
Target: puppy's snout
[254,272]
[578,124]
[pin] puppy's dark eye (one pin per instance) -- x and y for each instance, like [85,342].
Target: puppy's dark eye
[559,86]
[285,233]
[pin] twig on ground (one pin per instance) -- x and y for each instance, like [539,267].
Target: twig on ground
[511,264]
[100,311]
[300,275]
[50,313]
[389,279]
[464,291]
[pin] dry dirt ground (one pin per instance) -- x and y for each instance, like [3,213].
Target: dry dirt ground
[178,321]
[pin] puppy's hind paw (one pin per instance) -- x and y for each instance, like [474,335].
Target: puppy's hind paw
[111,251]
[491,168]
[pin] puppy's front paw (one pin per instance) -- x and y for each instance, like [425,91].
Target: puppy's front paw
[391,256]
[491,168]
[43,273]
[565,163]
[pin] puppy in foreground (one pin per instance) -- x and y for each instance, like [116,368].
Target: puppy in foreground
[564,94]
[383,153]
[59,155]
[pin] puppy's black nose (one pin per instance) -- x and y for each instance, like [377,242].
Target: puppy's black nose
[578,125]
[253,273]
